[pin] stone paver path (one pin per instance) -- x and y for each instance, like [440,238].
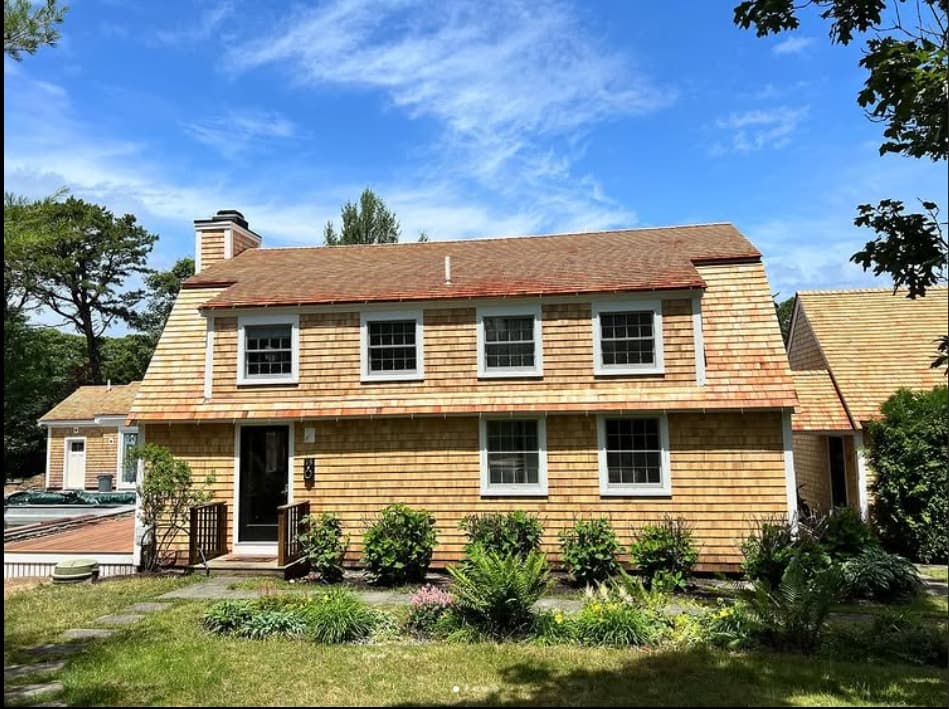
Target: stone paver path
[87,633]
[27,692]
[36,668]
[120,619]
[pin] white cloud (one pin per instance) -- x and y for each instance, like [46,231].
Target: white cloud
[509,84]
[760,128]
[200,28]
[237,131]
[792,45]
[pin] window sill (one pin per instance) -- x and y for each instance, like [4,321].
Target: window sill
[267,382]
[511,374]
[371,378]
[636,492]
[513,492]
[627,371]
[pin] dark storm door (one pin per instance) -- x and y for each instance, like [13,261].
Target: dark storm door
[838,472]
[263,481]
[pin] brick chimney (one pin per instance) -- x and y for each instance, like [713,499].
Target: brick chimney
[221,237]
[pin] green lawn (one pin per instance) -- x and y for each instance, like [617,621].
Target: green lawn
[940,573]
[925,605]
[169,660]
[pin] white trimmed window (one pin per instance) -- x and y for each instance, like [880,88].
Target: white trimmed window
[634,455]
[627,337]
[509,342]
[392,346]
[268,349]
[513,456]
[128,466]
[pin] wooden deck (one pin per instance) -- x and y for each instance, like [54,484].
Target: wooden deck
[245,565]
[107,536]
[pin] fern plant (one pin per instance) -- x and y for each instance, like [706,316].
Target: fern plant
[497,593]
[793,614]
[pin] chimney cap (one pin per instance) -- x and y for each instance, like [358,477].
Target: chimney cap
[230,215]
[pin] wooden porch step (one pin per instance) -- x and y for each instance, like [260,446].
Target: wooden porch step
[245,565]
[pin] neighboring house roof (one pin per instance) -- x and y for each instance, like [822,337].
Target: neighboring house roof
[629,260]
[872,342]
[88,403]
[819,406]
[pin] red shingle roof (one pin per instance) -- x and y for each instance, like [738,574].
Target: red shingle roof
[630,260]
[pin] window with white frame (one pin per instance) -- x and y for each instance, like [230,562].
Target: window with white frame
[128,465]
[627,337]
[268,349]
[509,342]
[634,455]
[513,457]
[392,346]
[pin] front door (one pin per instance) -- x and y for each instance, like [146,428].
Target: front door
[838,472]
[264,470]
[74,475]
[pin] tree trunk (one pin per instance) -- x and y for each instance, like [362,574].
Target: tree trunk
[92,347]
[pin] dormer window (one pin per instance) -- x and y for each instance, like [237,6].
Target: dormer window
[627,337]
[268,349]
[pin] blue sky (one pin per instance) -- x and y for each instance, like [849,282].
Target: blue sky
[469,118]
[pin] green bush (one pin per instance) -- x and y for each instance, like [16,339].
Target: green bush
[609,618]
[667,546]
[398,546]
[324,545]
[893,636]
[730,626]
[844,533]
[497,593]
[907,449]
[554,627]
[589,550]
[512,533]
[268,622]
[878,575]
[774,542]
[338,616]
[793,614]
[227,617]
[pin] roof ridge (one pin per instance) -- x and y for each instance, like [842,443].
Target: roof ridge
[501,238]
[878,289]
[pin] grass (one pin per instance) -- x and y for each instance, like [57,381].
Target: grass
[168,659]
[939,573]
[40,615]
[925,605]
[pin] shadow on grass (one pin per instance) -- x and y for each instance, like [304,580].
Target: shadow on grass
[698,677]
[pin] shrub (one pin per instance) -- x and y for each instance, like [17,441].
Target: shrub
[324,545]
[554,627]
[880,576]
[399,544]
[228,616]
[773,543]
[268,622]
[907,449]
[667,546]
[609,618]
[497,593]
[844,533]
[893,636]
[428,604]
[729,626]
[338,616]
[589,550]
[792,615]
[513,533]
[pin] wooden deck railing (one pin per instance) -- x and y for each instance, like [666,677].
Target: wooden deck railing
[208,538]
[289,525]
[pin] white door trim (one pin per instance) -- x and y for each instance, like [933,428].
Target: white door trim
[66,474]
[255,548]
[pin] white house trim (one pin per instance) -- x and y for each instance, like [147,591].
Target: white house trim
[228,243]
[120,459]
[627,304]
[533,310]
[291,319]
[790,478]
[365,317]
[49,453]
[262,548]
[862,499]
[663,489]
[538,490]
[104,421]
[698,337]
[209,359]
[197,250]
